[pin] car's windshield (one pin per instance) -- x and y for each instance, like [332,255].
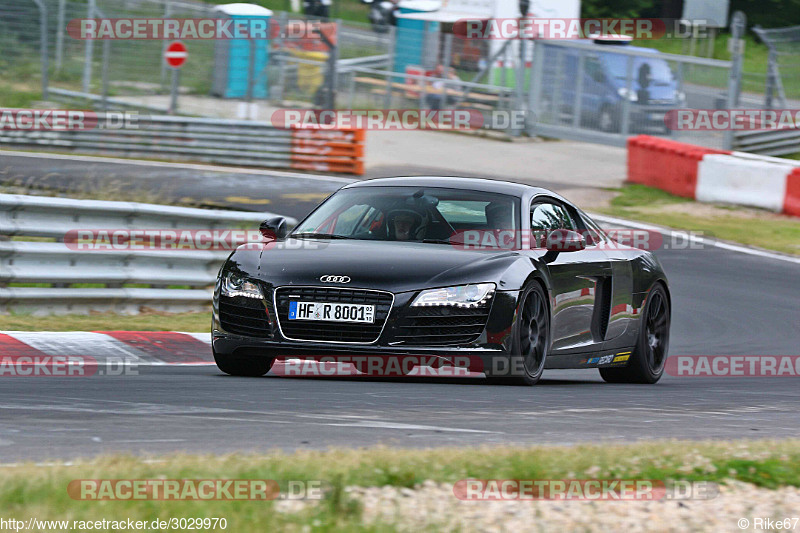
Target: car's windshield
[421,214]
[659,70]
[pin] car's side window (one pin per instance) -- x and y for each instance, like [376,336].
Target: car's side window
[594,69]
[592,232]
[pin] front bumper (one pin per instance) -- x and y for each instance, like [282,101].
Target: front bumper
[493,341]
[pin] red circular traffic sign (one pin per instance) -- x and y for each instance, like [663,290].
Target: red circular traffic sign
[176,54]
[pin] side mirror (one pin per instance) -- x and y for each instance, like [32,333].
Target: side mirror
[273,228]
[564,240]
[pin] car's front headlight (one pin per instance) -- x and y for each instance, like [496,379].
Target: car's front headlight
[236,285]
[476,295]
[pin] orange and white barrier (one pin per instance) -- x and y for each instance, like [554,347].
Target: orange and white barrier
[328,150]
[710,175]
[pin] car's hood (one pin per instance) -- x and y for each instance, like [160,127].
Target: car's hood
[392,266]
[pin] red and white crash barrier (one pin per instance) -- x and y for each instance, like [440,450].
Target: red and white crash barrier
[709,175]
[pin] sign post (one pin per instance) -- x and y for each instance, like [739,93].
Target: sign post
[175,56]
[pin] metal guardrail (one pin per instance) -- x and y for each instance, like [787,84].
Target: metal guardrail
[768,142]
[59,265]
[232,142]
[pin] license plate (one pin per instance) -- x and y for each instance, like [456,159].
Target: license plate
[331,312]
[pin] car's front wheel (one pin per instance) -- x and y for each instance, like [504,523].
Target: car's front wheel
[241,366]
[650,354]
[530,343]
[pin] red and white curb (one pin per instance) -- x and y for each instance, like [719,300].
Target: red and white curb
[152,348]
[144,348]
[709,175]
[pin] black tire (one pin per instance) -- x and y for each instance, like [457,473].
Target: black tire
[530,343]
[239,366]
[650,353]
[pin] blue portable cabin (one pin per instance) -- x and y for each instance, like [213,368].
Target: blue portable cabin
[232,62]
[417,40]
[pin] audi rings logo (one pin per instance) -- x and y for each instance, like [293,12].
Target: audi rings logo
[335,279]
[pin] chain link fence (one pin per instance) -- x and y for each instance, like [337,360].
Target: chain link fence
[565,89]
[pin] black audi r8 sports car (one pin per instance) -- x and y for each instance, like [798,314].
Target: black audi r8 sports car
[503,278]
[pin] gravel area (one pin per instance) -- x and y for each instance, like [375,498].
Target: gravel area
[433,505]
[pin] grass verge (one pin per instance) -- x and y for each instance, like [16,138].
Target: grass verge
[28,490]
[147,321]
[752,227]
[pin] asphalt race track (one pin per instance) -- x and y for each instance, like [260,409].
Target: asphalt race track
[724,303]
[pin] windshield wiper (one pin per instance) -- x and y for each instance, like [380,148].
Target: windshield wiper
[437,241]
[318,236]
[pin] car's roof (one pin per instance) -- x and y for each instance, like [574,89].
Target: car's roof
[454,182]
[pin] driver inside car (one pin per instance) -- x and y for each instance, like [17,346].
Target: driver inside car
[405,225]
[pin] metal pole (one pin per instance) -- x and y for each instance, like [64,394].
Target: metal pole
[62,5]
[335,64]
[277,95]
[251,68]
[738,24]
[520,81]
[106,58]
[43,45]
[167,14]
[576,103]
[448,50]
[351,89]
[770,85]
[331,73]
[387,97]
[535,89]
[626,103]
[392,51]
[87,56]
[173,100]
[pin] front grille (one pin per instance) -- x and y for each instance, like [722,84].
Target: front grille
[440,326]
[326,331]
[244,316]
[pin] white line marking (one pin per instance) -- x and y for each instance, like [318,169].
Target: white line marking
[699,240]
[396,425]
[140,162]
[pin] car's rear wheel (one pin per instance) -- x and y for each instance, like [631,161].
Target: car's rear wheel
[243,366]
[530,342]
[650,354]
